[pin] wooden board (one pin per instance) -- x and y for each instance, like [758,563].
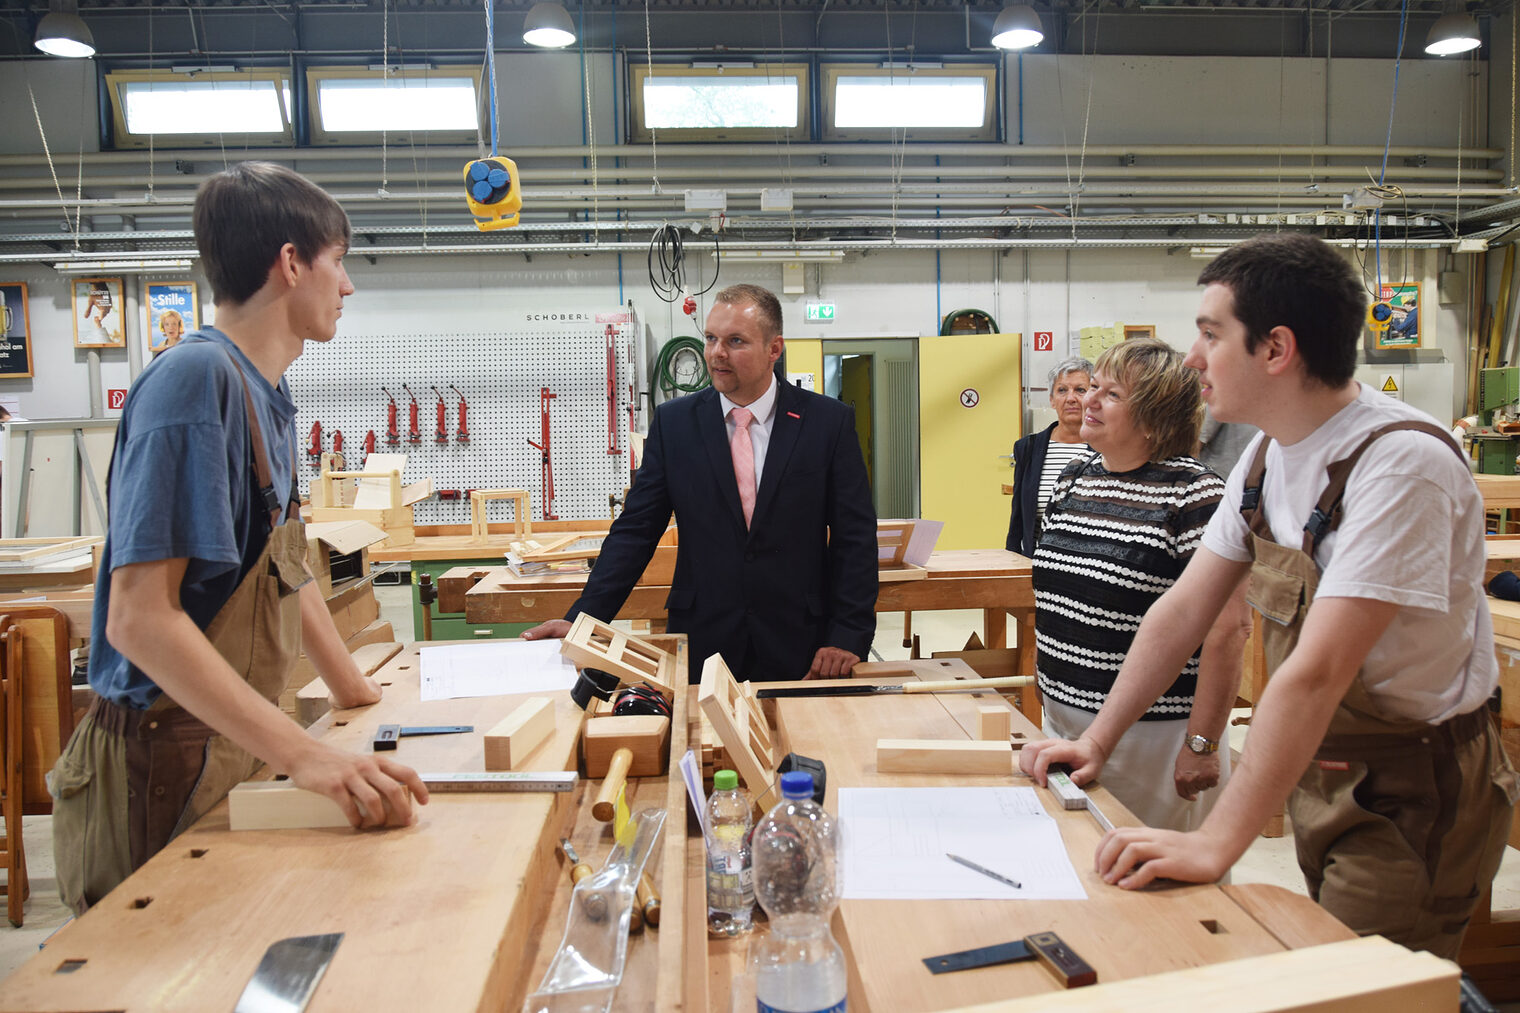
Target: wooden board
[516,736]
[441,915]
[943,756]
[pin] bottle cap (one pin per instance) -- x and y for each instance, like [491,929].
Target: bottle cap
[725,780]
[797,784]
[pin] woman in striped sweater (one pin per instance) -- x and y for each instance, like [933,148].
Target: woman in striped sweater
[1122,522]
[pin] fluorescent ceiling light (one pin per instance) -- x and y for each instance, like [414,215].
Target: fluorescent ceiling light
[108,267]
[549,26]
[1455,32]
[783,256]
[62,33]
[1018,27]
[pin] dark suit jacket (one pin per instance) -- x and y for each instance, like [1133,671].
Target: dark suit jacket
[803,576]
[1028,462]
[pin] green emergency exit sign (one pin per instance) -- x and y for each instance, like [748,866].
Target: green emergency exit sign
[820,312]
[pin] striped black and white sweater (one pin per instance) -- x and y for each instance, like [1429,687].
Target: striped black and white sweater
[1109,546]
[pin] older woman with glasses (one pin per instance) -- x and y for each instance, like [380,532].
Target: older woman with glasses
[1039,458]
[1122,522]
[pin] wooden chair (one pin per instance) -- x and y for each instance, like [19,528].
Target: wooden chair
[12,850]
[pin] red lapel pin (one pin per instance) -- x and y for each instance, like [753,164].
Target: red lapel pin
[794,415]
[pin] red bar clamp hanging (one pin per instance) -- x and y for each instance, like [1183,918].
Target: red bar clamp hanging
[612,419]
[392,430]
[314,451]
[546,466]
[462,433]
[413,432]
[441,434]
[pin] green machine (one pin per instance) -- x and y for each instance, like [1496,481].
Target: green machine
[1498,434]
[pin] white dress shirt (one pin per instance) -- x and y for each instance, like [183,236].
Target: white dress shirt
[764,410]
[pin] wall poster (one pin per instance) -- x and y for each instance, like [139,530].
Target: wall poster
[173,312]
[98,308]
[16,332]
[1404,328]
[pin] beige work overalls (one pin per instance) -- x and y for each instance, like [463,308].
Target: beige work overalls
[129,780]
[1399,825]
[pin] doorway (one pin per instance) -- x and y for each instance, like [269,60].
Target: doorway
[878,377]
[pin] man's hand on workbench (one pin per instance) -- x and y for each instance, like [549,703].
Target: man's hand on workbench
[832,663]
[1132,857]
[1195,772]
[554,629]
[359,692]
[370,789]
[1082,756]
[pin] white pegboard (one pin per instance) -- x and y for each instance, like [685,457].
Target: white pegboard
[500,374]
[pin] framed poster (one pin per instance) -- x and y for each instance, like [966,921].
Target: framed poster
[98,313]
[16,332]
[173,312]
[1404,328]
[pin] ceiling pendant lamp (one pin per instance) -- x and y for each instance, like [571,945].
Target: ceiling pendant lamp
[1017,27]
[1455,32]
[62,32]
[549,26]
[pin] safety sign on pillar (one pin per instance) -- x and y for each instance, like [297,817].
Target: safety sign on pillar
[1044,341]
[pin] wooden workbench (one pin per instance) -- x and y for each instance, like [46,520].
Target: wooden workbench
[993,580]
[1123,934]
[464,910]
[452,913]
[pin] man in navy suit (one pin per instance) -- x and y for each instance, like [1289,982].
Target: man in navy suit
[779,577]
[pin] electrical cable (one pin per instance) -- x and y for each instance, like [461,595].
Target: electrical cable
[665,379]
[1393,104]
[667,264]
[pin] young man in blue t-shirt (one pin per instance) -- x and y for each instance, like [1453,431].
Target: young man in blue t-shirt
[205,599]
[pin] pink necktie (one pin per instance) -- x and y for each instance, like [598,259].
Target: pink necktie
[743,452]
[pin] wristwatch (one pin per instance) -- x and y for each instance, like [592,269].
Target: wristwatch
[1201,745]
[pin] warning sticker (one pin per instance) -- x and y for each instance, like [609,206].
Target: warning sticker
[1389,387]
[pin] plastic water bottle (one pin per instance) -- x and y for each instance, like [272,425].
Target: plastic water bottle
[730,879]
[798,967]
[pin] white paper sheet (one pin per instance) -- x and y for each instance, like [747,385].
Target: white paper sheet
[527,666]
[896,840]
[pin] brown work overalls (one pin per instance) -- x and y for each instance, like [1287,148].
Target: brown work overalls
[129,780]
[1399,825]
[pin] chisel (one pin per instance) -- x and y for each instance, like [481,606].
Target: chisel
[907,688]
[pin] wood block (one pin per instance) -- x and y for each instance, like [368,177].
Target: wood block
[647,735]
[280,805]
[519,733]
[943,756]
[994,724]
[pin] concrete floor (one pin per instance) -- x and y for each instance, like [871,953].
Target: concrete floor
[1269,860]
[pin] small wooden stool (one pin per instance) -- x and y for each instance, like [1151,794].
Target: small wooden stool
[480,525]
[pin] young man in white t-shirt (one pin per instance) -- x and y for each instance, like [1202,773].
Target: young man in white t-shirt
[1377,631]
